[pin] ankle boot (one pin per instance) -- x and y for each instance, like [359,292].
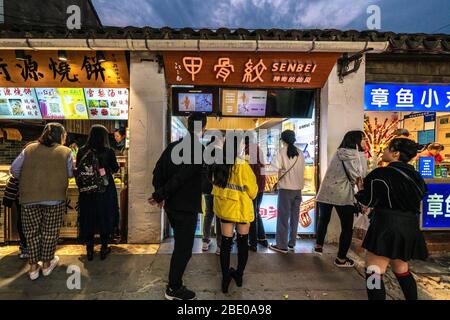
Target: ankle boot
[104,251]
[90,252]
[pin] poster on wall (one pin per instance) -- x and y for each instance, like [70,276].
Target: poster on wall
[62,103]
[269,213]
[245,103]
[107,104]
[18,103]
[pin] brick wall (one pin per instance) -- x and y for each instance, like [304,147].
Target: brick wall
[9,150]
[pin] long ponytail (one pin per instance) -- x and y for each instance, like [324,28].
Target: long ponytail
[288,137]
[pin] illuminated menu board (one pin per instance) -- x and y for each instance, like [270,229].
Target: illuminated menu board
[247,103]
[62,103]
[18,103]
[107,104]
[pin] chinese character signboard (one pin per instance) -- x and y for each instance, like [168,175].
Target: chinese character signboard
[436,207]
[269,212]
[265,69]
[104,104]
[18,103]
[426,167]
[406,98]
[43,69]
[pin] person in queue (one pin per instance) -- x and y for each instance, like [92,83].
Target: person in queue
[178,188]
[234,189]
[395,193]
[217,145]
[347,169]
[433,150]
[290,163]
[98,209]
[43,169]
[257,233]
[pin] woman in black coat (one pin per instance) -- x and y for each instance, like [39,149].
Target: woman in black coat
[97,210]
[395,193]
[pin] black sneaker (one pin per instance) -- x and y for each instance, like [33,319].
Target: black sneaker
[348,263]
[291,248]
[252,247]
[318,251]
[182,293]
[264,243]
[275,248]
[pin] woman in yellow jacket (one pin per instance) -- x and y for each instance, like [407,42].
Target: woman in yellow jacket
[234,188]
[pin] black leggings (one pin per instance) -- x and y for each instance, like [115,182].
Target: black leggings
[345,214]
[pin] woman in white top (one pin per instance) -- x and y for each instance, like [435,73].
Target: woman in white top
[290,164]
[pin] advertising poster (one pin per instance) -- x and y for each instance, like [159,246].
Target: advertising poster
[245,103]
[62,103]
[305,136]
[269,213]
[195,102]
[436,207]
[107,104]
[18,103]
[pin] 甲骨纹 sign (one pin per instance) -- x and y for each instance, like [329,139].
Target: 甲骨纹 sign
[264,69]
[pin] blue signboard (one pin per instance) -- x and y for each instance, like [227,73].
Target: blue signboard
[426,167]
[406,98]
[436,207]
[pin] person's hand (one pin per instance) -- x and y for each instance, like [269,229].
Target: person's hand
[365,210]
[153,202]
[360,183]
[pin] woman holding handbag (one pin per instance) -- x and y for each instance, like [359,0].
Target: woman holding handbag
[347,169]
[290,164]
[395,193]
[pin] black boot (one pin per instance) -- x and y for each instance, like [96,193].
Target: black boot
[375,286]
[225,250]
[90,252]
[104,251]
[242,244]
[408,285]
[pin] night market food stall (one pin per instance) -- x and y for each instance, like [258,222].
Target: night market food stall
[77,89]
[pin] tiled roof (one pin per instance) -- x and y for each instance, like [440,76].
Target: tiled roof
[399,42]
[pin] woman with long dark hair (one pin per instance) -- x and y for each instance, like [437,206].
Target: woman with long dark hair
[347,169]
[234,188]
[43,169]
[97,209]
[290,164]
[395,193]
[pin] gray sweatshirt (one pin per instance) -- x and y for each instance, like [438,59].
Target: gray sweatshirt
[336,188]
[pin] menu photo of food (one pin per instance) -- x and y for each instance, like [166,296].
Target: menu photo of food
[50,103]
[18,103]
[107,103]
[250,103]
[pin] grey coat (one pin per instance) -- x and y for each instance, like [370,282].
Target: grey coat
[336,188]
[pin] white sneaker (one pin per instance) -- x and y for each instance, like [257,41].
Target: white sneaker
[53,264]
[35,274]
[218,251]
[206,245]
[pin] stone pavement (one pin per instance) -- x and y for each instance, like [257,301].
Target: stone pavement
[140,272]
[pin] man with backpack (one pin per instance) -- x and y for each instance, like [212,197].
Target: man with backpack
[178,188]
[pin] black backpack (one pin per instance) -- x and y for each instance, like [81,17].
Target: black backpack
[88,177]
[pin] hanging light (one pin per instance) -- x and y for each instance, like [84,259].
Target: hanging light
[100,55]
[62,55]
[20,55]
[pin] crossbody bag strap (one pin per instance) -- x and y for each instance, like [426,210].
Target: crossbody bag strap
[421,193]
[282,176]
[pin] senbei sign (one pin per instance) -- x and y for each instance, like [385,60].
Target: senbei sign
[398,97]
[243,69]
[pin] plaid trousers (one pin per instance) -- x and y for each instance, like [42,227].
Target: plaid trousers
[41,225]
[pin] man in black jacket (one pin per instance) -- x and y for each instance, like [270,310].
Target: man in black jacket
[177,180]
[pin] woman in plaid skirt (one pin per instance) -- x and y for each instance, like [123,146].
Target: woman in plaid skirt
[44,169]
